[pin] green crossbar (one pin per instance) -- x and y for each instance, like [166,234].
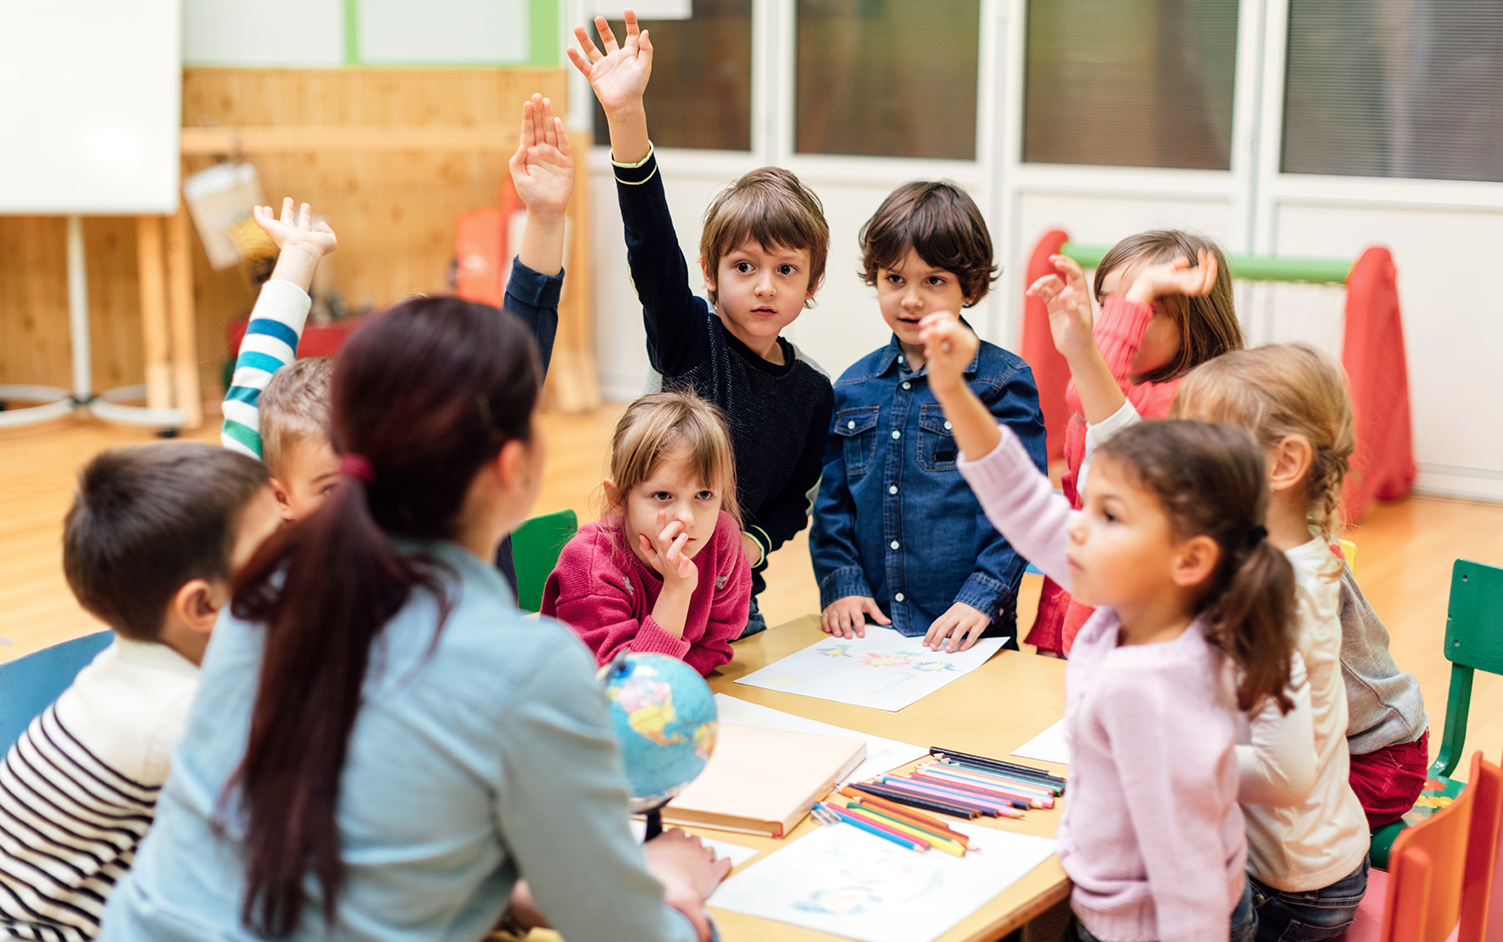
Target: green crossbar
[1248,267]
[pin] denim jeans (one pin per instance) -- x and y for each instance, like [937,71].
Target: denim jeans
[1244,921]
[1308,917]
[755,623]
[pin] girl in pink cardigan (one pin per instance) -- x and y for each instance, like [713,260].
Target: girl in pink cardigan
[1171,548]
[664,569]
[1166,307]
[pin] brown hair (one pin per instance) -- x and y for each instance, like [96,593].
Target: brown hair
[148,518]
[1208,325]
[940,222]
[294,409]
[773,207]
[427,393]
[1276,391]
[1209,479]
[660,423]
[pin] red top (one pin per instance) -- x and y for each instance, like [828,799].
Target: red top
[606,594]
[1118,334]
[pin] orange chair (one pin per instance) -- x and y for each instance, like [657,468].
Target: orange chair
[1440,871]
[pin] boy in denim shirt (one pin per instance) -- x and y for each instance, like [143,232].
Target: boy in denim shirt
[898,536]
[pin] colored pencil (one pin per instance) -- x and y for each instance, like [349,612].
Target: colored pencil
[1035,797]
[958,793]
[990,792]
[999,778]
[903,798]
[937,841]
[897,837]
[896,810]
[1037,780]
[994,763]
[991,809]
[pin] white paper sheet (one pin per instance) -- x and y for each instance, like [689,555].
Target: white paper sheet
[738,854]
[1049,746]
[884,670]
[843,880]
[882,755]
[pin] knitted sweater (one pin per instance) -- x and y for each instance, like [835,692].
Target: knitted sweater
[606,594]
[1152,836]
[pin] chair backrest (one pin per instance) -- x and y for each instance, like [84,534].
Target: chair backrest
[1482,891]
[29,684]
[1474,641]
[535,546]
[1430,865]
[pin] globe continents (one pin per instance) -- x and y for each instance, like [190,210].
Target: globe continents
[664,717]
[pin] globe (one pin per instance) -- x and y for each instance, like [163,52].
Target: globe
[664,716]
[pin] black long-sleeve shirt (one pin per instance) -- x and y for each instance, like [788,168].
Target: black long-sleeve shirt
[779,414]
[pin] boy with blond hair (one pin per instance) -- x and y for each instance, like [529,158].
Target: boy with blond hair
[762,254]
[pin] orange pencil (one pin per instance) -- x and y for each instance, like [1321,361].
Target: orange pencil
[900,811]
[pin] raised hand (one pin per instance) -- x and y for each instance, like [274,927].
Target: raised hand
[296,229]
[846,617]
[1068,300]
[1176,277]
[619,75]
[949,347]
[961,624]
[542,169]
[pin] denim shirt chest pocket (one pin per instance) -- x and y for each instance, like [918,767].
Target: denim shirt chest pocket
[936,444]
[857,428]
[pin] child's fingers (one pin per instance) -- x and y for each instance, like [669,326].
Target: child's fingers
[871,607]
[575,56]
[1049,284]
[587,45]
[607,38]
[644,45]
[305,218]
[562,136]
[631,24]
[1068,266]
[647,547]
[288,217]
[545,126]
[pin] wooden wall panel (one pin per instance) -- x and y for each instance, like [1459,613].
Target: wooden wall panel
[394,212]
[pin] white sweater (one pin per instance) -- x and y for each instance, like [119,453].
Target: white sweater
[79,789]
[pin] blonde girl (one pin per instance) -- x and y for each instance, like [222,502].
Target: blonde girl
[1308,852]
[1166,306]
[663,570]
[1171,546]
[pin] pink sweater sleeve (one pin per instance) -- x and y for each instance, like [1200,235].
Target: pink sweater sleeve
[1119,333]
[589,592]
[1021,505]
[1173,798]
[729,603]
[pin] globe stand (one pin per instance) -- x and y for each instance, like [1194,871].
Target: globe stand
[654,823]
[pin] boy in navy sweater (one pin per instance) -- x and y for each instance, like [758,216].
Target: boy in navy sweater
[763,254]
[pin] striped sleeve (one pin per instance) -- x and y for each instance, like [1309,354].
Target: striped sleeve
[270,343]
[69,829]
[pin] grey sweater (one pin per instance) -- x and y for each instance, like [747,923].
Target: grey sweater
[1384,705]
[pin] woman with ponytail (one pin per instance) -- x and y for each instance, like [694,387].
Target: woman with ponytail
[1193,623]
[382,746]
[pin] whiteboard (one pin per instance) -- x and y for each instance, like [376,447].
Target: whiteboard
[90,106]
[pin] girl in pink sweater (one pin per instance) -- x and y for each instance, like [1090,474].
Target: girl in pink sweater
[1166,307]
[1172,548]
[664,569]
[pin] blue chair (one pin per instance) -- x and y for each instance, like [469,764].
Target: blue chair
[29,684]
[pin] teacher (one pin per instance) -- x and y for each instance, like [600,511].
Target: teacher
[382,746]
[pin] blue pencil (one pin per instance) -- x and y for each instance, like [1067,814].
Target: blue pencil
[911,845]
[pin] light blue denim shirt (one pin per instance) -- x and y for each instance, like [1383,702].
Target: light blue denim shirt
[473,762]
[894,520]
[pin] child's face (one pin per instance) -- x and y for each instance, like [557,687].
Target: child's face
[761,290]
[911,289]
[1161,338]
[1122,547]
[310,469]
[671,493]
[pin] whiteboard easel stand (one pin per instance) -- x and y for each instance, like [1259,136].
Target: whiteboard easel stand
[58,402]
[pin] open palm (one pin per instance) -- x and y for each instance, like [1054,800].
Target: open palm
[1068,300]
[542,169]
[619,74]
[296,228]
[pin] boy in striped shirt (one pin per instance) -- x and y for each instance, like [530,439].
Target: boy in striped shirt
[148,547]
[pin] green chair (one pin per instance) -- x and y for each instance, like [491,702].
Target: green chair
[535,546]
[1474,640]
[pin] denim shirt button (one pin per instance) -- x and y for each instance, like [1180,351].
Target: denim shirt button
[897,597]
[947,426]
[907,385]
[851,424]
[896,434]
[892,489]
[893,544]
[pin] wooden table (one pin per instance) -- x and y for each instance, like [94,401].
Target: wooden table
[990,711]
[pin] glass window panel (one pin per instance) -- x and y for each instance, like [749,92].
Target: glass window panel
[1135,83]
[700,93]
[887,78]
[1397,88]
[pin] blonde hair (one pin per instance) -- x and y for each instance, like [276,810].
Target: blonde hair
[294,409]
[1208,325]
[661,423]
[773,207]
[1276,391]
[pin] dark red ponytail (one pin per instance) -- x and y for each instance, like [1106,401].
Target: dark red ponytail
[426,393]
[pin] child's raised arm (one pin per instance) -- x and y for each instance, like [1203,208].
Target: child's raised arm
[542,170]
[619,77]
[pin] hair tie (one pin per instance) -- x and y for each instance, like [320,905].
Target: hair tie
[1257,535]
[357,467]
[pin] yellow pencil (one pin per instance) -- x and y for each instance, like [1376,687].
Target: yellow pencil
[937,841]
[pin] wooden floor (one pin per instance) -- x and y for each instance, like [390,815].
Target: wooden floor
[1405,551]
